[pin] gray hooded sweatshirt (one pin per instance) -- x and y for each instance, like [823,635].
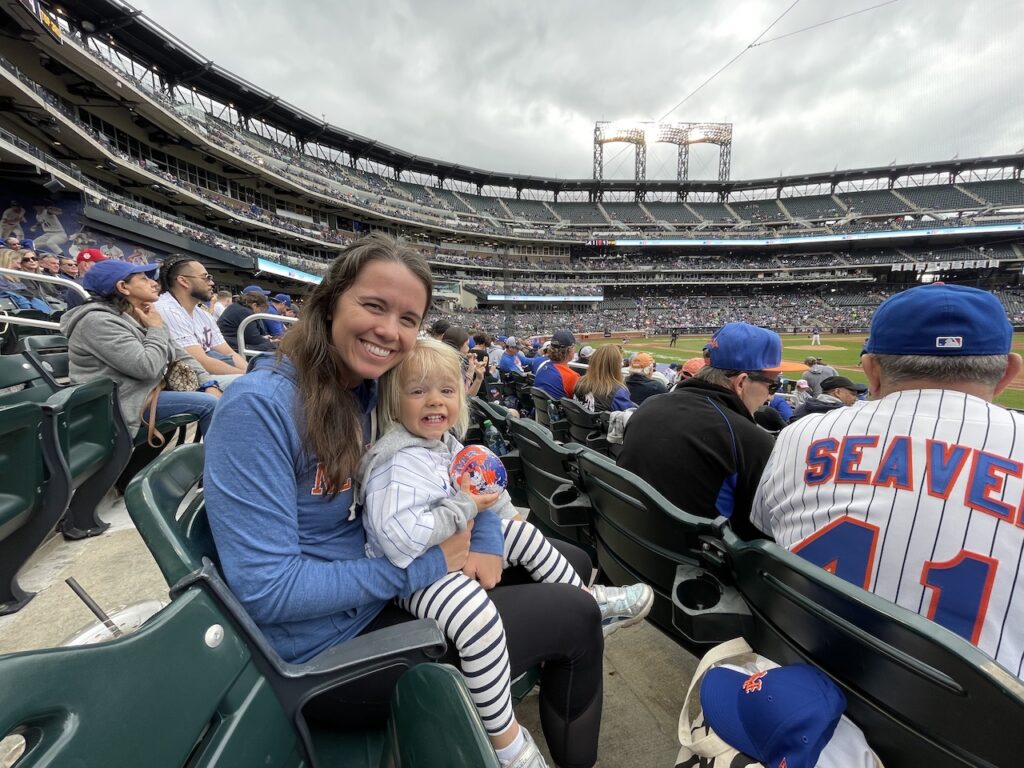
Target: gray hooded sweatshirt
[409,501]
[104,343]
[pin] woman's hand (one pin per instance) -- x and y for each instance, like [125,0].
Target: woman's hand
[456,548]
[484,568]
[147,315]
[482,500]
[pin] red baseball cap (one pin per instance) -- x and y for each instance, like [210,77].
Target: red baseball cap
[92,255]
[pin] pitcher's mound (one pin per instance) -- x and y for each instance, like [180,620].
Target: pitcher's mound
[816,347]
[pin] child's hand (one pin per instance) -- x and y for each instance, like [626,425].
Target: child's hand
[482,500]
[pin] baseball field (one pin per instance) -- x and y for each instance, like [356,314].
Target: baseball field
[841,352]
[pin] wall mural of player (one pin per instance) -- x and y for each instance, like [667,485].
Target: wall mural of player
[12,221]
[55,226]
[53,234]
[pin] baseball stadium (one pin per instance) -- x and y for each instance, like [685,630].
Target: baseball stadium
[738,479]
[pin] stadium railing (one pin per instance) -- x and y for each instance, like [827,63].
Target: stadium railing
[253,318]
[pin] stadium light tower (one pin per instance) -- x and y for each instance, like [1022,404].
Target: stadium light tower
[641,134]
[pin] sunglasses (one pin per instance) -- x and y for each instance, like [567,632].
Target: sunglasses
[771,382]
[28,258]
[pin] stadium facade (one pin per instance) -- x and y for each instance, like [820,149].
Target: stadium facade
[116,134]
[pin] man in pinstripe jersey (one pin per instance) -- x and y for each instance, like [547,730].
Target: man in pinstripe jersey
[918,495]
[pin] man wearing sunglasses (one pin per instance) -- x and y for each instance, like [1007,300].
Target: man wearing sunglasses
[186,284]
[699,445]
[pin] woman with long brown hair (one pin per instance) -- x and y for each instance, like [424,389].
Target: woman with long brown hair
[601,388]
[292,543]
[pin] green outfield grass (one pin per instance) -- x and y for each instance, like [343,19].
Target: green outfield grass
[841,352]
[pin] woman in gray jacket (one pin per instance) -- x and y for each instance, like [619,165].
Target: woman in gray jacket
[119,335]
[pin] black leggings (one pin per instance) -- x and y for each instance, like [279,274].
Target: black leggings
[556,625]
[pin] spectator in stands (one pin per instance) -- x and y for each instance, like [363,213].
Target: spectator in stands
[557,378]
[232,317]
[84,261]
[601,388]
[494,352]
[293,551]
[641,382]
[68,268]
[119,335]
[836,392]
[930,469]
[186,284]
[280,304]
[222,302]
[16,290]
[816,372]
[699,445]
[583,358]
[512,360]
[438,328]
[801,393]
[457,337]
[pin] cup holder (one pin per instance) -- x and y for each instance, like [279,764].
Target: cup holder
[565,495]
[699,594]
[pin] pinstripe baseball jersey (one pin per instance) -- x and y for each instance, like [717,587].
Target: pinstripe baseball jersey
[917,497]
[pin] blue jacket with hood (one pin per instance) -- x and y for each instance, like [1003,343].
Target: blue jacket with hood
[293,553]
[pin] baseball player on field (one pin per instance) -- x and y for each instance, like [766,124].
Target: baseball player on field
[917,494]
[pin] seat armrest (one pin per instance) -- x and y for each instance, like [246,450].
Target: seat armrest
[411,641]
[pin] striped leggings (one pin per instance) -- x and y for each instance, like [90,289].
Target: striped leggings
[470,621]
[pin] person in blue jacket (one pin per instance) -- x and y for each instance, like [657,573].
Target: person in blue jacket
[292,545]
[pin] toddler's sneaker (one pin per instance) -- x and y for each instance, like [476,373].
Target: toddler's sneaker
[622,606]
[529,756]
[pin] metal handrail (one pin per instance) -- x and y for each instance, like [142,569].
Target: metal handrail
[252,319]
[61,281]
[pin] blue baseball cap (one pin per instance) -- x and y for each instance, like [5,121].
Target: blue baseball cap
[255,289]
[104,276]
[785,716]
[283,298]
[940,320]
[745,347]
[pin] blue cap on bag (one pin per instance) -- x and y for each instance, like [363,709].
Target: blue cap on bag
[939,319]
[784,716]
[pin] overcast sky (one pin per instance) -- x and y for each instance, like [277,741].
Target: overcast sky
[517,86]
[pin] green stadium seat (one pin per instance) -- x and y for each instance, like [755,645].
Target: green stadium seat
[48,350]
[31,485]
[543,405]
[587,428]
[85,427]
[548,473]
[922,695]
[185,689]
[184,550]
[641,536]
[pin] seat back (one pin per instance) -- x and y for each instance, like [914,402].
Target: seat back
[21,381]
[641,536]
[177,538]
[182,690]
[547,467]
[922,695]
[541,403]
[51,351]
[426,696]
[585,428]
[22,473]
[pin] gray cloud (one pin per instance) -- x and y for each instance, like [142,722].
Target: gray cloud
[517,86]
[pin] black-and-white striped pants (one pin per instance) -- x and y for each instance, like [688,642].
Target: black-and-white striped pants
[470,621]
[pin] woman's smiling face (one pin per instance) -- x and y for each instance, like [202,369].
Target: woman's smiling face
[375,321]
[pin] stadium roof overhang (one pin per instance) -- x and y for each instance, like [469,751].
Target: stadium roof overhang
[127,29]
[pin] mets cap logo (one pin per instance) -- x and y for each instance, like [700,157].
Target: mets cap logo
[949,342]
[753,683]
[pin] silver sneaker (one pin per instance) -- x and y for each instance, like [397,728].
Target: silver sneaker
[529,756]
[622,606]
